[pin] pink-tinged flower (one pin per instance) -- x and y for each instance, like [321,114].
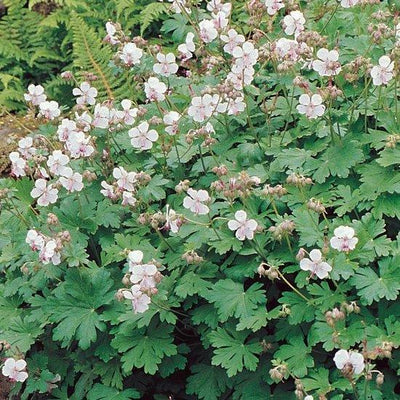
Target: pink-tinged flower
[34,239]
[83,121]
[155,89]
[171,120]
[207,31]
[328,64]
[108,190]
[125,180]
[101,116]
[245,56]
[49,253]
[25,147]
[309,397]
[273,6]
[232,40]
[312,106]
[202,107]
[220,20]
[57,162]
[288,49]
[352,361]
[349,3]
[216,6]
[315,264]
[35,95]
[187,49]
[72,181]
[173,221]
[65,129]
[244,227]
[87,94]
[141,137]
[135,257]
[293,23]
[140,300]
[144,275]
[111,31]
[79,145]
[15,370]
[194,202]
[166,65]
[18,164]
[344,239]
[128,199]
[381,74]
[44,194]
[127,114]
[235,106]
[131,54]
[49,109]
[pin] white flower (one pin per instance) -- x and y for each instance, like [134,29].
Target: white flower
[83,121]
[57,162]
[173,222]
[207,31]
[349,3]
[352,359]
[216,5]
[101,117]
[245,56]
[87,94]
[287,49]
[312,107]
[202,108]
[140,300]
[49,109]
[34,239]
[15,370]
[294,23]
[155,89]
[143,274]
[220,20]
[309,397]
[45,194]
[128,114]
[315,264]
[344,239]
[171,120]
[72,181]
[111,31]
[79,145]
[108,190]
[25,147]
[65,129]
[244,227]
[131,54]
[18,164]
[128,199]
[48,253]
[194,202]
[381,74]
[166,65]
[35,95]
[187,48]
[141,137]
[273,6]
[125,180]
[134,257]
[328,64]
[232,40]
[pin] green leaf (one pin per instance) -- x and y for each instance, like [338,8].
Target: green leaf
[75,305]
[231,300]
[190,284]
[389,156]
[233,351]
[207,382]
[144,348]
[102,392]
[373,287]
[297,356]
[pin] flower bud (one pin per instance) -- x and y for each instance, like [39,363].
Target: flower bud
[379,379]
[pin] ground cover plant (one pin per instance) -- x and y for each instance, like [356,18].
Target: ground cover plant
[216,216]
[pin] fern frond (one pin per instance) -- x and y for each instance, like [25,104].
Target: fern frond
[152,12]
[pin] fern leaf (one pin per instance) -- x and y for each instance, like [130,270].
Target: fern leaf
[152,12]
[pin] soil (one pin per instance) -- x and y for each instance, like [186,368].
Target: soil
[5,387]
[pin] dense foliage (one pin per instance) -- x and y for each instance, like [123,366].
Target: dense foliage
[216,216]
